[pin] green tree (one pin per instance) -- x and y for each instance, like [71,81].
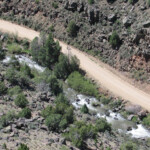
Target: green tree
[45,51]
[65,66]
[84,109]
[25,113]
[52,51]
[54,84]
[21,101]
[23,147]
[114,39]
[3,88]
[80,132]
[53,121]
[72,29]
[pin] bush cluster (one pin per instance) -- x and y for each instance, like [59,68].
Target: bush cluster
[21,101]
[66,66]
[114,40]
[25,113]
[45,51]
[3,88]
[5,119]
[79,83]
[128,146]
[72,29]
[79,132]
[59,117]
[146,120]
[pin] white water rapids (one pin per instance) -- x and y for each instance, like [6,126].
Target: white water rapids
[114,118]
[25,60]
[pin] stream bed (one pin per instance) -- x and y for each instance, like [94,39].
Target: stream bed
[78,100]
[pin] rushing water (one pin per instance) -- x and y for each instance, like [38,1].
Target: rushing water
[22,59]
[78,100]
[118,122]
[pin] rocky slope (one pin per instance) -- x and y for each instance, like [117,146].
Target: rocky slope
[95,23]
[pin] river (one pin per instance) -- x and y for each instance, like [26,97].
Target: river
[78,100]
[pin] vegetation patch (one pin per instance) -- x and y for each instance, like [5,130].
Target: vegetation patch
[81,84]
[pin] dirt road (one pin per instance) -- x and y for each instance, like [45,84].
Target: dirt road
[96,70]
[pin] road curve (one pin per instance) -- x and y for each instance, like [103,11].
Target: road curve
[103,76]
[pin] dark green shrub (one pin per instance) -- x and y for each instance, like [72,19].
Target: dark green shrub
[102,125]
[23,147]
[65,66]
[5,119]
[128,146]
[146,120]
[21,101]
[25,113]
[2,53]
[72,29]
[14,63]
[17,78]
[45,51]
[3,88]
[81,132]
[82,85]
[14,91]
[52,122]
[84,109]
[61,99]
[54,84]
[55,5]
[114,39]
[91,1]
[59,117]
[25,69]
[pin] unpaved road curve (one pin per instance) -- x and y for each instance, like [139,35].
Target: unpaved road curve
[105,77]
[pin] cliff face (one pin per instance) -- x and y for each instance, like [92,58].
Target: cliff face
[95,24]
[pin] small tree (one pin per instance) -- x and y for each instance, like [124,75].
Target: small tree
[23,147]
[53,121]
[114,39]
[54,85]
[3,88]
[72,29]
[25,113]
[21,101]
[84,109]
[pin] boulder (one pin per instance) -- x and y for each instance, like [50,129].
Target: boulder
[126,21]
[146,24]
[112,17]
[134,109]
[142,114]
